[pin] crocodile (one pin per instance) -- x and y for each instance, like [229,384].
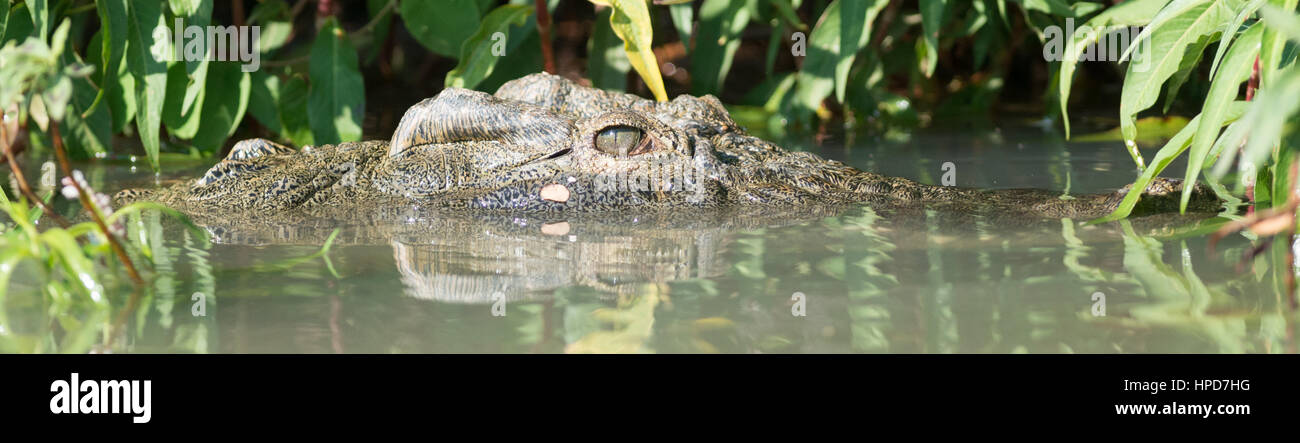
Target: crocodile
[544,144]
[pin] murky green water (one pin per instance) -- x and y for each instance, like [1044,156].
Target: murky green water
[858,281]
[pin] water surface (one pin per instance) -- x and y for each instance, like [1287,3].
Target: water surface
[851,281]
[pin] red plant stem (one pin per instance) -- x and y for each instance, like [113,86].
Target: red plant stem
[1251,87]
[22,181]
[544,32]
[90,208]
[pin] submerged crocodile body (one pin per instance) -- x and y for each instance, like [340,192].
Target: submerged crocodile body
[544,144]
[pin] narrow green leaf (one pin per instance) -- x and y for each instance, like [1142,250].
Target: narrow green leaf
[1170,151]
[40,11]
[683,15]
[337,101]
[1167,48]
[480,53]
[224,107]
[856,18]
[1230,32]
[931,21]
[1223,91]
[263,101]
[607,65]
[150,73]
[718,38]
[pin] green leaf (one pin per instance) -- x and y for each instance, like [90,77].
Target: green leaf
[40,12]
[293,101]
[1170,151]
[119,91]
[1170,11]
[1230,31]
[856,19]
[1168,46]
[1050,7]
[184,8]
[4,19]
[150,74]
[337,101]
[827,59]
[607,65]
[481,51]
[224,107]
[277,26]
[631,22]
[683,15]
[441,26]
[931,21]
[1223,91]
[19,25]
[88,136]
[381,29]
[112,32]
[263,101]
[718,38]
[182,124]
[1129,13]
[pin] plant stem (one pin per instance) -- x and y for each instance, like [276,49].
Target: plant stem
[22,181]
[544,34]
[90,207]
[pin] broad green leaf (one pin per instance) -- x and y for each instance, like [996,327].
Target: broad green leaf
[89,136]
[119,92]
[718,38]
[1223,91]
[931,21]
[264,99]
[149,72]
[481,51]
[1170,151]
[1148,72]
[522,57]
[441,25]
[224,107]
[179,123]
[631,22]
[607,65]
[293,111]
[337,101]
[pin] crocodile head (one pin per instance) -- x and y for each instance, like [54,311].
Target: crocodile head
[543,143]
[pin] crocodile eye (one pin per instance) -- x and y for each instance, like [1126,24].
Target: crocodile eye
[621,141]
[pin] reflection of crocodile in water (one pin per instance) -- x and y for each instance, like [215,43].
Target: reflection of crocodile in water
[544,144]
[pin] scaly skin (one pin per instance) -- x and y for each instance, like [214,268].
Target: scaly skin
[536,147]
